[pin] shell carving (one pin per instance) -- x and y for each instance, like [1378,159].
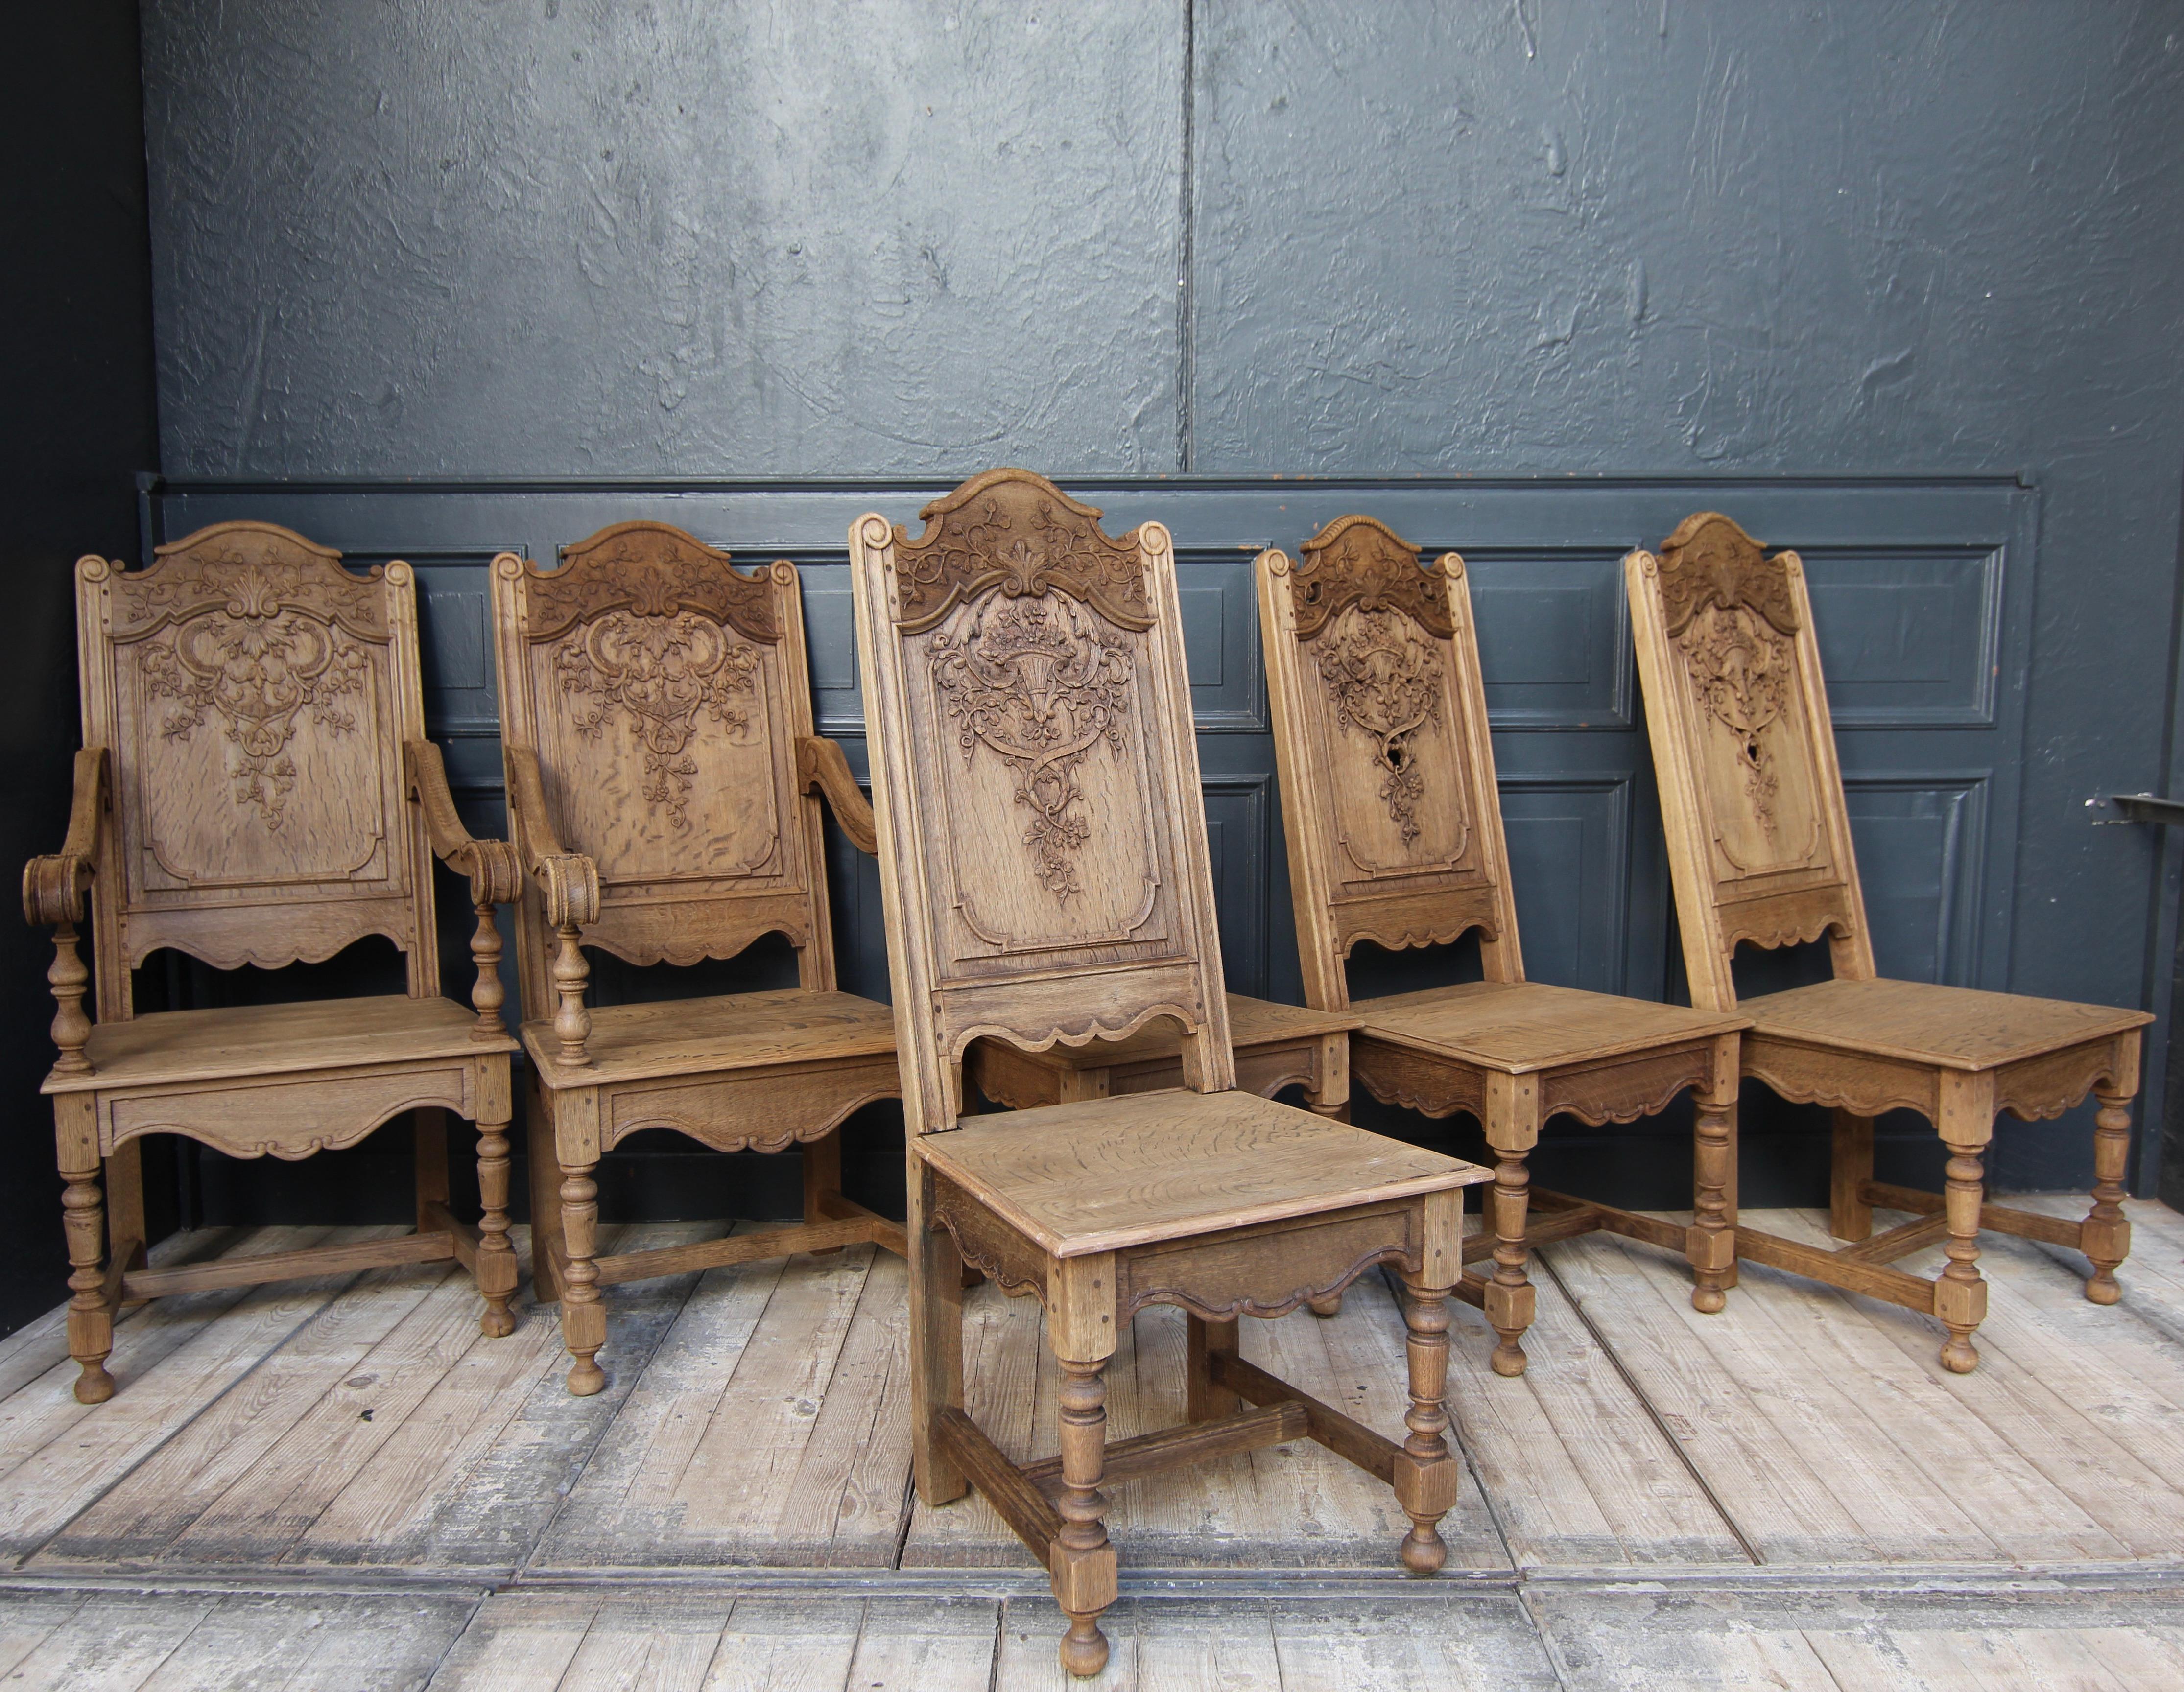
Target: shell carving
[257,664]
[1039,682]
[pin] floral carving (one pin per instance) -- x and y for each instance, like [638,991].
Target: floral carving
[662,670]
[1741,672]
[1012,528]
[1383,680]
[1041,681]
[257,663]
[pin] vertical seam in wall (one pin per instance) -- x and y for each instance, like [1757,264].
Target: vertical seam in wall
[1186,320]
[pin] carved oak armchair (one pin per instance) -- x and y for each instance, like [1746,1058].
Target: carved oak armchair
[256,787]
[655,712]
[1759,849]
[1394,835]
[1045,864]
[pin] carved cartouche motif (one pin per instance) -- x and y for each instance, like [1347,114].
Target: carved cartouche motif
[1384,680]
[1039,682]
[662,670]
[257,663]
[1018,531]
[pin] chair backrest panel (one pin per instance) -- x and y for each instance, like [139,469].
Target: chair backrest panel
[663,690]
[254,696]
[1750,791]
[1388,795]
[1036,780]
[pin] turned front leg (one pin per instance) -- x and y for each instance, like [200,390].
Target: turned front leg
[1711,1243]
[584,1317]
[1960,1293]
[83,1220]
[1426,1477]
[1082,1562]
[496,1257]
[2105,1234]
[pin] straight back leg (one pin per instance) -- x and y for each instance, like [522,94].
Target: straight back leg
[1849,1215]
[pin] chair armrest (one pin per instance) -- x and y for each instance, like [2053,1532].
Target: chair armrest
[822,769]
[54,885]
[495,872]
[569,886]
[569,881]
[496,877]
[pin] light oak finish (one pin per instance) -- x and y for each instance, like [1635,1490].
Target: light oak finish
[655,710]
[1759,846]
[255,787]
[1277,1046]
[1395,836]
[1044,856]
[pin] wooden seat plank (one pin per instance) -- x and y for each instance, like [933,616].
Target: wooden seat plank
[1519,1026]
[1920,1021]
[737,1031]
[1104,1174]
[229,1042]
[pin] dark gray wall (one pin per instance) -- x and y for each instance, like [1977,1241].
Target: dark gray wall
[554,237]
[75,340]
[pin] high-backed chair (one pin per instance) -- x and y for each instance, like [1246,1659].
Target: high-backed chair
[1394,835]
[1759,848]
[255,787]
[655,712]
[1044,848]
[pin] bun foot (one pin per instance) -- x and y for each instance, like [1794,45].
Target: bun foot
[1423,1552]
[1083,1647]
[94,1385]
[586,1377]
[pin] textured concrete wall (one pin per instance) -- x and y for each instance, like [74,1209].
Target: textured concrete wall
[554,237]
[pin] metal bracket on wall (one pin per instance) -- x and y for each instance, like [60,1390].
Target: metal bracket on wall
[2137,808]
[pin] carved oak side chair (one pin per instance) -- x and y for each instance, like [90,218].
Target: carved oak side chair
[1759,849]
[255,787]
[1043,849]
[1394,835]
[655,710]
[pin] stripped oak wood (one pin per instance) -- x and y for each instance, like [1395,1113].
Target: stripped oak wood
[1394,825]
[1277,1047]
[1047,877]
[255,787]
[655,708]
[1760,852]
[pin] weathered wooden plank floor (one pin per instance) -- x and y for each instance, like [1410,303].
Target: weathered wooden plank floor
[338,1484]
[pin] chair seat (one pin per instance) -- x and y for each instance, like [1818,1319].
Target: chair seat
[1105,1173]
[170,1046]
[737,1030]
[1954,1028]
[1252,1023]
[1517,1027]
